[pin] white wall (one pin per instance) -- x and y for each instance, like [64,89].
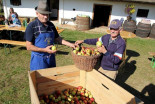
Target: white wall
[86,7]
[66,8]
[26,9]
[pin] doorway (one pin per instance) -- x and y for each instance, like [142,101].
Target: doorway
[102,15]
[54,7]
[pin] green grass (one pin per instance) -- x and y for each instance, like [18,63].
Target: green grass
[134,77]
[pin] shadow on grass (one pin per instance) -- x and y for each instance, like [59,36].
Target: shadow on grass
[22,48]
[147,95]
[150,59]
[62,52]
[70,41]
[129,68]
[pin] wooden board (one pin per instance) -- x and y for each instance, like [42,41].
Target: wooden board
[15,28]
[106,91]
[33,93]
[125,34]
[13,42]
[52,79]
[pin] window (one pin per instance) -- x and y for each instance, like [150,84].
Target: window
[15,2]
[142,13]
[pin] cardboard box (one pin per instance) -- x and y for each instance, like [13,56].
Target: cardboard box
[103,89]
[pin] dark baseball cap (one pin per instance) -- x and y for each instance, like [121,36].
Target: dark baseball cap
[115,24]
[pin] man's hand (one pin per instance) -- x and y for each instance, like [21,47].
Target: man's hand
[79,42]
[73,45]
[49,50]
[102,49]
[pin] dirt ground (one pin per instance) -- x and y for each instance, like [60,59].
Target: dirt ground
[101,29]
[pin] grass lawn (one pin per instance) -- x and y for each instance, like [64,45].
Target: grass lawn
[137,75]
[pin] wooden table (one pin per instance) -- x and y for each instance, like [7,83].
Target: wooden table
[10,29]
[17,28]
[125,34]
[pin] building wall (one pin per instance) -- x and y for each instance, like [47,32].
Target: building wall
[26,9]
[85,7]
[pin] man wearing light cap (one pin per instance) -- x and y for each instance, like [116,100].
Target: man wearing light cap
[40,36]
[113,47]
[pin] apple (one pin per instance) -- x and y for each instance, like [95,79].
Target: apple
[79,53]
[72,102]
[66,93]
[63,102]
[79,92]
[90,96]
[79,87]
[70,96]
[82,48]
[75,98]
[51,96]
[88,54]
[97,53]
[88,51]
[58,92]
[54,48]
[73,92]
[75,51]
[56,100]
[83,53]
[83,89]
[92,99]
[78,97]
[42,101]
[86,94]
[98,43]
[63,97]
[77,48]
[69,99]
[89,93]
[85,101]
[95,50]
[59,98]
[82,98]
[82,93]
[90,102]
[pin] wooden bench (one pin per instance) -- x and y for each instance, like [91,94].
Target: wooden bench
[66,19]
[11,42]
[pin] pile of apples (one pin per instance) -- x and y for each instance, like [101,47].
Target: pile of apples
[84,51]
[78,95]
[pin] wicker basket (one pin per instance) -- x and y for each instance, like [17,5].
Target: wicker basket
[86,63]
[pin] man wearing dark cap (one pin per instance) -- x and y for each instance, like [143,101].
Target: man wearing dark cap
[40,36]
[112,49]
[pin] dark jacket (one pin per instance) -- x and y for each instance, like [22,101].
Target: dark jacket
[112,58]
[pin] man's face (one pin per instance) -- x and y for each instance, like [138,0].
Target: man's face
[42,17]
[114,32]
